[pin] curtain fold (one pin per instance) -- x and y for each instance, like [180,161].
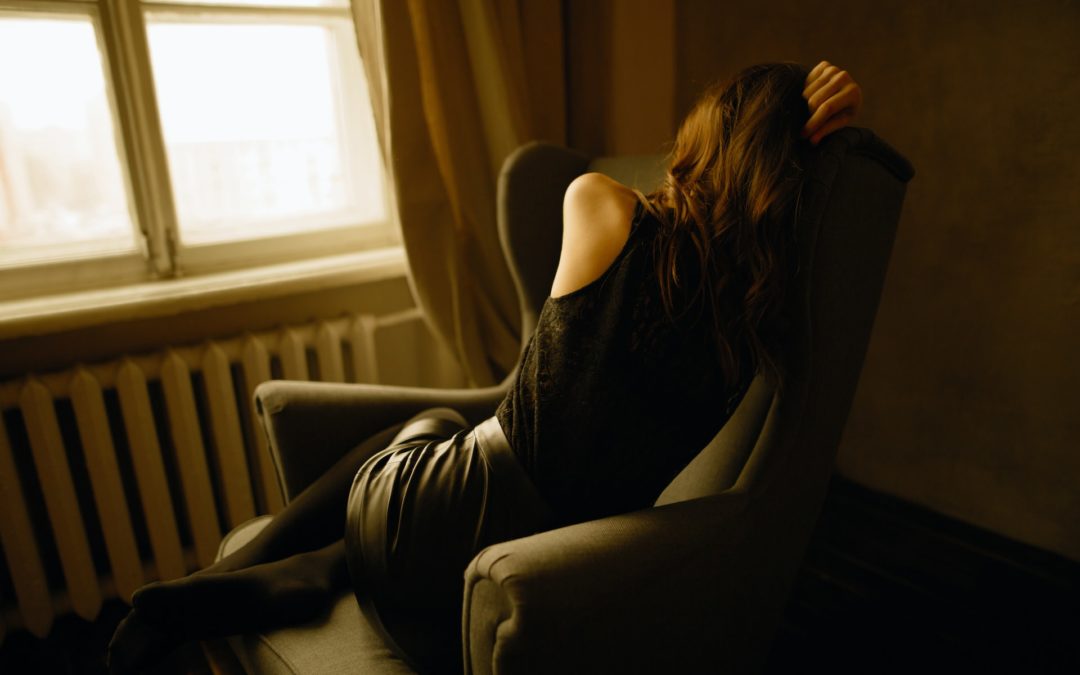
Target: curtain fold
[457,85]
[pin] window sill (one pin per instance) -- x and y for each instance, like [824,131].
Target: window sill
[69,311]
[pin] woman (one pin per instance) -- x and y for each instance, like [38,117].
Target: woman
[662,309]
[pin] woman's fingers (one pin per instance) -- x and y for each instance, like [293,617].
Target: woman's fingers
[833,99]
[838,122]
[817,70]
[821,74]
[842,105]
[847,98]
[835,83]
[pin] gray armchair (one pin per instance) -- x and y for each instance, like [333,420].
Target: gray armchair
[698,582]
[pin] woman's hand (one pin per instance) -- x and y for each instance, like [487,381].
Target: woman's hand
[833,98]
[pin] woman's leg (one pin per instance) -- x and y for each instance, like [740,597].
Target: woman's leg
[277,578]
[271,594]
[314,518]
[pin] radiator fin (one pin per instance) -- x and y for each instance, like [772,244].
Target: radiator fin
[361,339]
[20,547]
[149,469]
[105,481]
[256,369]
[328,349]
[294,356]
[191,457]
[54,474]
[229,452]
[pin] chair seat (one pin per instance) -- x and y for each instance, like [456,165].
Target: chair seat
[342,641]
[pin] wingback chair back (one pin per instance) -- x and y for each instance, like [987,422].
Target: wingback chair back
[765,473]
[698,582]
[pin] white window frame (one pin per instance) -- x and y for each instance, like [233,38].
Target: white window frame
[120,27]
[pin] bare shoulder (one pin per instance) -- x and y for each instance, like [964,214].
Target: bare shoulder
[594,194]
[597,211]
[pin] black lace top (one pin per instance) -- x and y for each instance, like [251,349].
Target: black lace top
[612,398]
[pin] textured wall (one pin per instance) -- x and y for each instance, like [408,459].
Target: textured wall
[620,75]
[969,400]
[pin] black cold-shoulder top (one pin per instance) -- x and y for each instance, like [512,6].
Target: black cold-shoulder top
[613,398]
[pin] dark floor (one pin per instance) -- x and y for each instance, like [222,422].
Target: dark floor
[889,587]
[886,587]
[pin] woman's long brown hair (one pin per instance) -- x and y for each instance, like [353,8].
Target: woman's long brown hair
[727,208]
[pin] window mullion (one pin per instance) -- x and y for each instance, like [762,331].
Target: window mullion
[144,146]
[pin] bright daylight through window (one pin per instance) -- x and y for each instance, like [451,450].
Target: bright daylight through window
[143,139]
[61,183]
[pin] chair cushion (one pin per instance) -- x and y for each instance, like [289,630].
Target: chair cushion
[340,642]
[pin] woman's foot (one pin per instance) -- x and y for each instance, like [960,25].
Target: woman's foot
[138,644]
[216,604]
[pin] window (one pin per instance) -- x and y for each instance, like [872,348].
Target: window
[152,139]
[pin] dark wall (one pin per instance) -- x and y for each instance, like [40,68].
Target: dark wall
[968,402]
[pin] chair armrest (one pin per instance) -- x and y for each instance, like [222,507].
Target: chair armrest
[666,589]
[309,425]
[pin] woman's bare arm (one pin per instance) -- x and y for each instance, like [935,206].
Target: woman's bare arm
[596,224]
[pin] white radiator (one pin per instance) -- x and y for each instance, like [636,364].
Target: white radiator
[116,474]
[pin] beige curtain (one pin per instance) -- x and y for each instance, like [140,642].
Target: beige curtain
[457,85]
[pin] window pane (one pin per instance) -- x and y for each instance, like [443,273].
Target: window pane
[61,187]
[267,126]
